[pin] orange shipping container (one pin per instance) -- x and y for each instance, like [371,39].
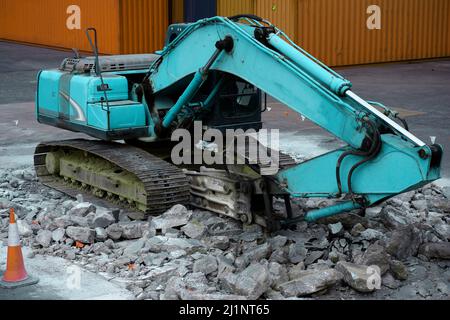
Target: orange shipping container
[143,25]
[228,8]
[282,13]
[448,30]
[336,32]
[177,11]
[124,26]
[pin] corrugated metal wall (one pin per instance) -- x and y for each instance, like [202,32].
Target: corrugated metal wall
[448,29]
[124,26]
[143,25]
[177,11]
[44,22]
[336,31]
[228,8]
[282,13]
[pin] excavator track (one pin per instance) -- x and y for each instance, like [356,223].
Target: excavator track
[106,172]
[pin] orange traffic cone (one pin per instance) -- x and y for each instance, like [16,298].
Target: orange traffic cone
[15,274]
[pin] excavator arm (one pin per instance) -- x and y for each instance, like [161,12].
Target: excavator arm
[382,158]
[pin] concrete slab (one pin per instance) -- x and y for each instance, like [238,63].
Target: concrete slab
[58,280]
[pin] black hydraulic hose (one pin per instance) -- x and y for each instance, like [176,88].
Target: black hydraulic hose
[338,167]
[403,121]
[355,153]
[249,16]
[373,152]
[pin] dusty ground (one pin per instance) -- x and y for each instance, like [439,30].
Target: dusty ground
[56,281]
[208,257]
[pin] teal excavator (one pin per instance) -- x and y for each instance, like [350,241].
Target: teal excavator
[218,71]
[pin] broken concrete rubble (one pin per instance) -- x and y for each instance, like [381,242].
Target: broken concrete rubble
[58,234]
[359,277]
[297,253]
[371,235]
[103,218]
[404,242]
[205,265]
[398,270]
[114,231]
[194,229]
[81,209]
[220,242]
[251,282]
[388,280]
[278,274]
[254,254]
[375,255]
[184,288]
[373,212]
[439,250]
[176,217]
[393,218]
[161,243]
[336,229]
[309,282]
[44,238]
[133,230]
[101,234]
[296,270]
[199,255]
[133,248]
[83,235]
[24,228]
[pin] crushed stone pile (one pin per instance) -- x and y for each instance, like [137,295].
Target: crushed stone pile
[398,250]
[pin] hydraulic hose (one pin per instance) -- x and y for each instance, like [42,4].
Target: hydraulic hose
[338,167]
[403,121]
[372,152]
[248,16]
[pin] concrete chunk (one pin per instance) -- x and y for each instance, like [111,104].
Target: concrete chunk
[359,277]
[84,235]
[177,216]
[309,282]
[205,265]
[103,218]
